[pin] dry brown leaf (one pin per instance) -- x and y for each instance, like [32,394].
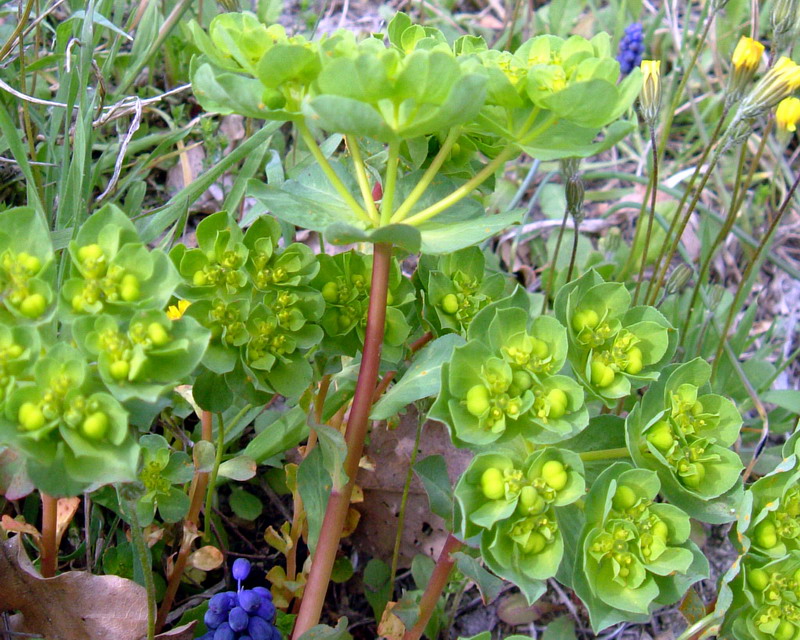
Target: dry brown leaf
[71,606]
[514,610]
[65,511]
[186,632]
[391,451]
[9,524]
[391,627]
[206,558]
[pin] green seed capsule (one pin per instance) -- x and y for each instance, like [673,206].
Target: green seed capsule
[602,374]
[330,292]
[635,364]
[661,530]
[624,498]
[30,416]
[555,474]
[558,403]
[450,304]
[587,319]
[119,369]
[492,484]
[535,543]
[95,426]
[522,380]
[697,408]
[660,436]
[785,631]
[530,502]
[33,306]
[199,279]
[31,263]
[477,400]
[758,579]
[539,348]
[765,534]
[694,479]
[158,334]
[129,288]
[90,252]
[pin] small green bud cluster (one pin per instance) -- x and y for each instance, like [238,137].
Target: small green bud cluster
[349,299]
[773,601]
[17,274]
[781,526]
[223,273]
[152,478]
[534,534]
[465,300]
[622,355]
[226,322]
[535,495]
[102,281]
[10,354]
[120,346]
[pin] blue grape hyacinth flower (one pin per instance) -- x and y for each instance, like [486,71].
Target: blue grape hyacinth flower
[245,614]
[631,48]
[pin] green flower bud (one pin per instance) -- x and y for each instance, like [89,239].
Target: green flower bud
[555,474]
[30,416]
[77,303]
[450,304]
[31,263]
[129,288]
[660,436]
[199,279]
[477,400]
[90,252]
[330,292]
[634,361]
[522,380]
[693,479]
[119,369]
[530,502]
[33,305]
[602,374]
[660,530]
[758,579]
[587,319]
[95,426]
[535,543]
[624,498]
[158,334]
[539,348]
[558,403]
[765,534]
[492,484]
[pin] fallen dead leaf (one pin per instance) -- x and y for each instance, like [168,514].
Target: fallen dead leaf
[14,481]
[206,558]
[9,524]
[390,626]
[72,606]
[65,511]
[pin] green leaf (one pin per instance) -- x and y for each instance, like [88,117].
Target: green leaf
[377,585]
[314,485]
[334,452]
[324,632]
[489,585]
[281,435]
[211,392]
[245,505]
[401,235]
[422,380]
[203,454]
[240,468]
[443,235]
[562,628]
[433,473]
[342,570]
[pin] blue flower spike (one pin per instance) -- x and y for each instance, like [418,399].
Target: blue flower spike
[631,48]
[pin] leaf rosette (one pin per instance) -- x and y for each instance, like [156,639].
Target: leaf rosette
[161,470]
[635,554]
[684,435]
[25,276]
[112,271]
[147,357]
[765,600]
[269,267]
[613,348]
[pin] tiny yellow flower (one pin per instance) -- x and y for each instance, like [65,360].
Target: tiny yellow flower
[787,114]
[747,54]
[175,312]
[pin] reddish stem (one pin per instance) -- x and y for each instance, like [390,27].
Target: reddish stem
[357,426]
[436,585]
[49,557]
[190,526]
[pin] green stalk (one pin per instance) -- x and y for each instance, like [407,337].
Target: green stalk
[327,169]
[464,190]
[363,181]
[554,262]
[147,570]
[605,454]
[355,435]
[390,182]
[659,281]
[740,291]
[651,218]
[427,177]
[213,478]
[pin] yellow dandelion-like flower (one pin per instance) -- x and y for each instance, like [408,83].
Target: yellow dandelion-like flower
[175,312]
[787,115]
[747,54]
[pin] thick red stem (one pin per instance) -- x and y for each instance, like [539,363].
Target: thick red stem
[357,426]
[49,557]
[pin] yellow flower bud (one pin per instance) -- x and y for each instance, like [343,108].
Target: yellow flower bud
[780,81]
[787,115]
[650,97]
[747,54]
